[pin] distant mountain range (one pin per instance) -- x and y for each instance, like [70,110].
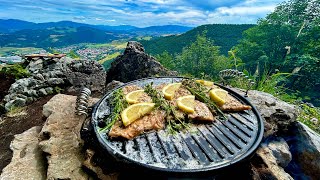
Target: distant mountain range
[13,25]
[224,35]
[19,33]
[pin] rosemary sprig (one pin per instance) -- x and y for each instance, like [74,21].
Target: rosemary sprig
[118,103]
[175,123]
[199,91]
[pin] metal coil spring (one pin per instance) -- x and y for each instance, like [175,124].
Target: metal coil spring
[82,102]
[233,73]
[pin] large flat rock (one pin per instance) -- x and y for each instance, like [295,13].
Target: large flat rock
[61,139]
[27,161]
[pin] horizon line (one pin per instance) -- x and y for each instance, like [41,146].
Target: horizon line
[123,24]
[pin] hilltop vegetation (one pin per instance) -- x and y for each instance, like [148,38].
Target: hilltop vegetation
[281,53]
[287,40]
[224,35]
[56,37]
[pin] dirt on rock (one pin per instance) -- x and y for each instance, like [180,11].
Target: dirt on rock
[17,123]
[5,84]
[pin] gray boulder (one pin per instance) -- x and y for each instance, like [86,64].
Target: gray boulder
[135,64]
[278,115]
[42,92]
[49,90]
[55,81]
[35,66]
[85,73]
[17,102]
[27,161]
[305,148]
[280,150]
[266,164]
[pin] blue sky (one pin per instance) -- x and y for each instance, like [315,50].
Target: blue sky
[139,12]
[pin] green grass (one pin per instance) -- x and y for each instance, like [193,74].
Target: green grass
[16,111]
[307,113]
[146,38]
[109,57]
[117,44]
[98,45]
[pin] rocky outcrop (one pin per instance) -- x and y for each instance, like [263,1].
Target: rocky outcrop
[305,148]
[89,74]
[135,64]
[27,161]
[280,121]
[113,84]
[60,139]
[271,159]
[278,115]
[50,76]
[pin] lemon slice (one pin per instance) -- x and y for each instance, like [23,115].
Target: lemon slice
[133,97]
[186,103]
[170,89]
[204,82]
[219,96]
[135,111]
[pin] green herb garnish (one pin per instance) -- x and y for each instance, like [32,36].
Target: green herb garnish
[175,123]
[119,104]
[199,91]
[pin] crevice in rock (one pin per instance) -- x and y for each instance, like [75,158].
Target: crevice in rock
[300,150]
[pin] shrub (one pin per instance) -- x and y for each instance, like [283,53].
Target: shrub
[15,70]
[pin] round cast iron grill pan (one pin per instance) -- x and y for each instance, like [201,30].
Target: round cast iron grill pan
[206,147]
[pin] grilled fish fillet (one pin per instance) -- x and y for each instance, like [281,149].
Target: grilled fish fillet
[201,113]
[128,89]
[181,92]
[154,121]
[143,98]
[232,104]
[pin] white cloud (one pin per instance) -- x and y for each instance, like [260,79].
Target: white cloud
[140,12]
[110,20]
[246,10]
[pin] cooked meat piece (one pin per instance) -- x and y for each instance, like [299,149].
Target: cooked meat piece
[232,104]
[144,98]
[202,112]
[129,89]
[181,92]
[160,87]
[154,121]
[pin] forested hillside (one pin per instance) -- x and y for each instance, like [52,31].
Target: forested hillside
[281,53]
[55,37]
[287,41]
[223,35]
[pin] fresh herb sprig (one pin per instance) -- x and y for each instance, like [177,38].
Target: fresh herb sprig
[118,103]
[199,91]
[175,122]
